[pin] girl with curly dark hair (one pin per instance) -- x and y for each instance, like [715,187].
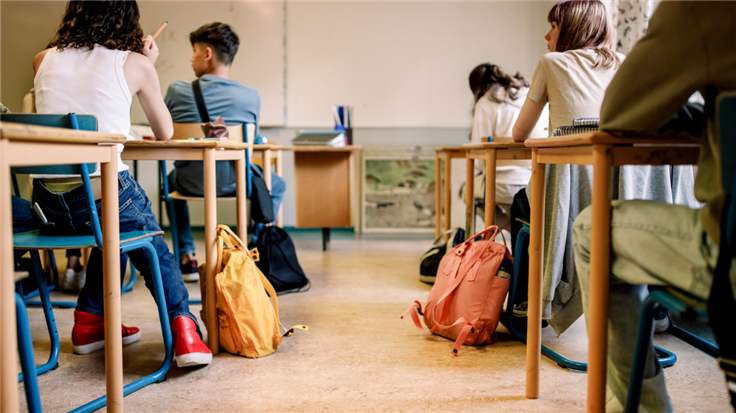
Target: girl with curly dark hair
[97,62]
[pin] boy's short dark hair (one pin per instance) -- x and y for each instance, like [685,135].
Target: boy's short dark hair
[220,37]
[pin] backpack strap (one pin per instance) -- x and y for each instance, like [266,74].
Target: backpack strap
[199,99]
[415,313]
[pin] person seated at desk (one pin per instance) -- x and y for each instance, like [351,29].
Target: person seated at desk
[573,78]
[75,273]
[215,46]
[498,100]
[655,243]
[98,61]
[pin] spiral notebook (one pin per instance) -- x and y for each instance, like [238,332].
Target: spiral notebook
[579,125]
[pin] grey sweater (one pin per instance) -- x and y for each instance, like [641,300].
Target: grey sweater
[569,191]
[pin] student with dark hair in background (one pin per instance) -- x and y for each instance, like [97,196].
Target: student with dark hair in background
[214,46]
[498,100]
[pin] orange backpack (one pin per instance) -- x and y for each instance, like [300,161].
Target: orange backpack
[248,317]
[466,300]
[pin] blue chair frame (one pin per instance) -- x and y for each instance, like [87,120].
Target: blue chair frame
[172,211]
[25,350]
[687,305]
[666,357]
[130,241]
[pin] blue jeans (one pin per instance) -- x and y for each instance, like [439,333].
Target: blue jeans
[185,241]
[70,214]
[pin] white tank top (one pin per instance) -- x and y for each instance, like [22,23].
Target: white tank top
[87,82]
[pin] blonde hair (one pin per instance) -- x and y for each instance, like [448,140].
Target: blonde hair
[584,25]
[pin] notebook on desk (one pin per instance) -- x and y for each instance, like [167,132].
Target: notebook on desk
[328,138]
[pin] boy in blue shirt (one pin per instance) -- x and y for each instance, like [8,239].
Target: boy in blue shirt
[215,46]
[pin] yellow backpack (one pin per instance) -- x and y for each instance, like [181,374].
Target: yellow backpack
[248,319]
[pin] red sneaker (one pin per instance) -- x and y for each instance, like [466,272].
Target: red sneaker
[88,334]
[189,348]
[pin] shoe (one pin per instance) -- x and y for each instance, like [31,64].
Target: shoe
[519,312]
[189,348]
[88,334]
[661,320]
[74,280]
[189,271]
[429,279]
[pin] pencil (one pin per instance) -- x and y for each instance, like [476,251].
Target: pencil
[159,29]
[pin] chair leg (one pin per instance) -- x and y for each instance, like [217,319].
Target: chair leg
[643,338]
[36,259]
[25,350]
[53,361]
[695,341]
[163,315]
[666,358]
[129,286]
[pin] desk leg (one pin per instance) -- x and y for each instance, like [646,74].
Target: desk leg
[490,218]
[210,241]
[111,283]
[536,256]
[8,343]
[600,264]
[469,196]
[280,172]
[437,195]
[267,168]
[448,192]
[241,198]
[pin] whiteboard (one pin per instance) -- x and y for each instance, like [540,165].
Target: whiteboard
[259,62]
[403,64]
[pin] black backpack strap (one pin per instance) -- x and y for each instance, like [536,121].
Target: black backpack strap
[200,101]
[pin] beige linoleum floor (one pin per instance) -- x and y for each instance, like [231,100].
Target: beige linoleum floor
[357,355]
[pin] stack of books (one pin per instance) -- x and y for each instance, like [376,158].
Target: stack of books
[579,125]
[343,116]
[328,138]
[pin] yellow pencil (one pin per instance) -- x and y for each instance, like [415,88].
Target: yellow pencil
[159,29]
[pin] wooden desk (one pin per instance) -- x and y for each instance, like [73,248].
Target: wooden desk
[324,187]
[501,148]
[447,154]
[265,152]
[603,151]
[207,151]
[26,145]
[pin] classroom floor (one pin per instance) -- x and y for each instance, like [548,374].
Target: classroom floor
[357,355]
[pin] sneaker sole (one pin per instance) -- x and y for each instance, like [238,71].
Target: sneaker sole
[190,278]
[193,359]
[427,279]
[99,345]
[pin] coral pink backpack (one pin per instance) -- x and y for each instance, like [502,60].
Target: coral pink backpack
[467,292]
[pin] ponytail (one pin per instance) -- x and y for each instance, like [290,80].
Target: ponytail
[491,77]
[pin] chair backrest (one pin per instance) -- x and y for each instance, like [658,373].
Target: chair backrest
[84,122]
[184,131]
[69,121]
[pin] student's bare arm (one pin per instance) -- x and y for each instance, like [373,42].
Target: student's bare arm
[142,79]
[38,59]
[527,120]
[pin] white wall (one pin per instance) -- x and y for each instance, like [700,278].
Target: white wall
[403,66]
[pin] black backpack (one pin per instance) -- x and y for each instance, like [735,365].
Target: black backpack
[278,261]
[430,261]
